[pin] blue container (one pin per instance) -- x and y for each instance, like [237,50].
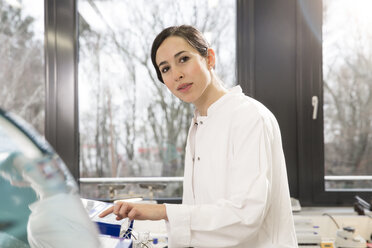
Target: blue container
[109,229]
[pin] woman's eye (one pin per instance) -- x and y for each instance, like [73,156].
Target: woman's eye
[164,69]
[184,59]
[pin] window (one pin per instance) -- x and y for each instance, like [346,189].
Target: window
[280,63]
[347,63]
[22,60]
[333,53]
[130,125]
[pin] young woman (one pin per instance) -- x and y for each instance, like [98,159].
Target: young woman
[235,184]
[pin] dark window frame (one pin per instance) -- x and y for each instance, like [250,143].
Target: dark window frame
[61,103]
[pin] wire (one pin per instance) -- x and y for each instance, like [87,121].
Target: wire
[126,233]
[330,216]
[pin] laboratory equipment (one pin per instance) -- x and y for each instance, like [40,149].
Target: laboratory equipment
[307,233]
[361,206]
[107,225]
[296,206]
[30,169]
[346,238]
[143,240]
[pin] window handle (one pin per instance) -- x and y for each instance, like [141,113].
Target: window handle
[314,102]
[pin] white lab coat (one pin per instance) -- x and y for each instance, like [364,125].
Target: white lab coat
[235,191]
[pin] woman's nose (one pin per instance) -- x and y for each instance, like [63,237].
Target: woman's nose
[178,75]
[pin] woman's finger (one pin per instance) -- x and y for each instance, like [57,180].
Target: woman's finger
[117,207]
[124,209]
[106,212]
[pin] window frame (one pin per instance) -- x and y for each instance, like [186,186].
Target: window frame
[61,103]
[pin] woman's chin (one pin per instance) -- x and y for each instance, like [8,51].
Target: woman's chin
[186,99]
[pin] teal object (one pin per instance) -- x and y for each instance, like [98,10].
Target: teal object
[17,139]
[39,201]
[14,211]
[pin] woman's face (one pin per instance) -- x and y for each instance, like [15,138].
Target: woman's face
[185,72]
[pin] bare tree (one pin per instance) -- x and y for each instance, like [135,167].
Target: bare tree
[162,121]
[347,98]
[349,117]
[168,117]
[21,67]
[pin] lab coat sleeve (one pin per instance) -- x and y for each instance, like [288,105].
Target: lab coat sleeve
[237,218]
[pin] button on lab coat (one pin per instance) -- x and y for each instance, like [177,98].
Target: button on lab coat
[235,184]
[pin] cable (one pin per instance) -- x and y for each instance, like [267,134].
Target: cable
[330,216]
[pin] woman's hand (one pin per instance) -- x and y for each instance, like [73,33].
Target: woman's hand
[135,211]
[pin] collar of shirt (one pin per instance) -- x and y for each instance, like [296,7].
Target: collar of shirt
[214,107]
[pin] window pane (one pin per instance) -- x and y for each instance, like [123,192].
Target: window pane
[22,92]
[130,125]
[22,60]
[347,63]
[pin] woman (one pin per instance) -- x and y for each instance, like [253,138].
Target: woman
[235,184]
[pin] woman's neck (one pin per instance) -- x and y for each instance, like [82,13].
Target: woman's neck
[212,93]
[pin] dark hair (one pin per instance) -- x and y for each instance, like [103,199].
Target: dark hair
[193,36]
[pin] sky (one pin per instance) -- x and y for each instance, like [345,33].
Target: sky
[346,20]
[34,8]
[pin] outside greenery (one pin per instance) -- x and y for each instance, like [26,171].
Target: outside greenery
[22,81]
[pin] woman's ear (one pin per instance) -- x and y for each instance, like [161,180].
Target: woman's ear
[211,59]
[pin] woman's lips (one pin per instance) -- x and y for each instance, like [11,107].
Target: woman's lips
[184,87]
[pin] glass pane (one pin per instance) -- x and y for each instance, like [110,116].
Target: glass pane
[22,60]
[347,63]
[130,125]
